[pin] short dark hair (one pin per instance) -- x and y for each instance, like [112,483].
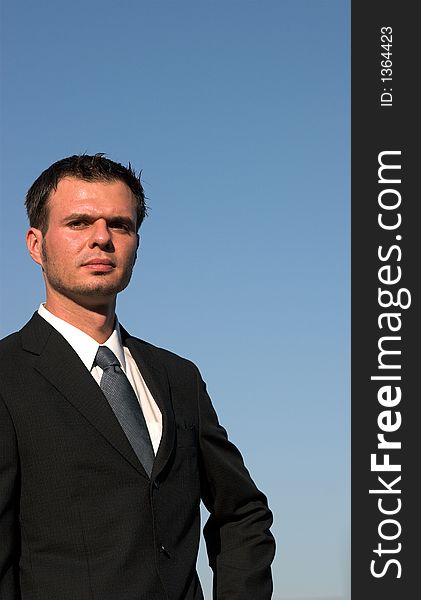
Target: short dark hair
[88,168]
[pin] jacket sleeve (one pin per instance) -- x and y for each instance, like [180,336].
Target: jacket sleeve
[9,531]
[239,544]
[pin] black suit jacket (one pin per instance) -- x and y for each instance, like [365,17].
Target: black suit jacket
[79,517]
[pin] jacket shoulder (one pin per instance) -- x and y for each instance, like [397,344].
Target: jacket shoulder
[10,344]
[166,358]
[31,338]
[166,355]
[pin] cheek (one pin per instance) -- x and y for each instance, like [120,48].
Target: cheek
[69,243]
[62,249]
[129,254]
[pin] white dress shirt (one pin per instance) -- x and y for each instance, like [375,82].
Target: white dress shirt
[86,348]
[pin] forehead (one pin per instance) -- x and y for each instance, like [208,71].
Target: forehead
[74,194]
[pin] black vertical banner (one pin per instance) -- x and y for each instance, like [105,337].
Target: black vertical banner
[386,357]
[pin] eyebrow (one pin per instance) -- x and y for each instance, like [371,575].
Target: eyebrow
[91,218]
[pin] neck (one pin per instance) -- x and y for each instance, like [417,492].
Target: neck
[97,320]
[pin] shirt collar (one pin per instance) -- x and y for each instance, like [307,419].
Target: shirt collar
[82,343]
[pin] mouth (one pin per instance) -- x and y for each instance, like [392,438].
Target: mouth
[100,265]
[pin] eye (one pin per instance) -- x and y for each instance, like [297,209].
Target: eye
[78,223]
[119,225]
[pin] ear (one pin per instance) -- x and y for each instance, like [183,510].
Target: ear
[34,240]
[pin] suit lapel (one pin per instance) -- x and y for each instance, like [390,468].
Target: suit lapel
[62,367]
[156,378]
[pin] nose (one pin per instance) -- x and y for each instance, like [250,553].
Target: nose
[101,235]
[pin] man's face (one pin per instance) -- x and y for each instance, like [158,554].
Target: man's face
[89,249]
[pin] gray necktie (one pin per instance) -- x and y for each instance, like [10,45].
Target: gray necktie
[122,399]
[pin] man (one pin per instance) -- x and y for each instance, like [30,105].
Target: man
[107,443]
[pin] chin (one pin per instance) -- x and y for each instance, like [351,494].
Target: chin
[99,287]
[103,288]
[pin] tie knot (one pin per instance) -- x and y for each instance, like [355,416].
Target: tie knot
[106,358]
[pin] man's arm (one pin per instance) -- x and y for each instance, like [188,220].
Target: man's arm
[9,533]
[239,544]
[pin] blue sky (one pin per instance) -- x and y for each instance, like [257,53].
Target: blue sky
[238,114]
